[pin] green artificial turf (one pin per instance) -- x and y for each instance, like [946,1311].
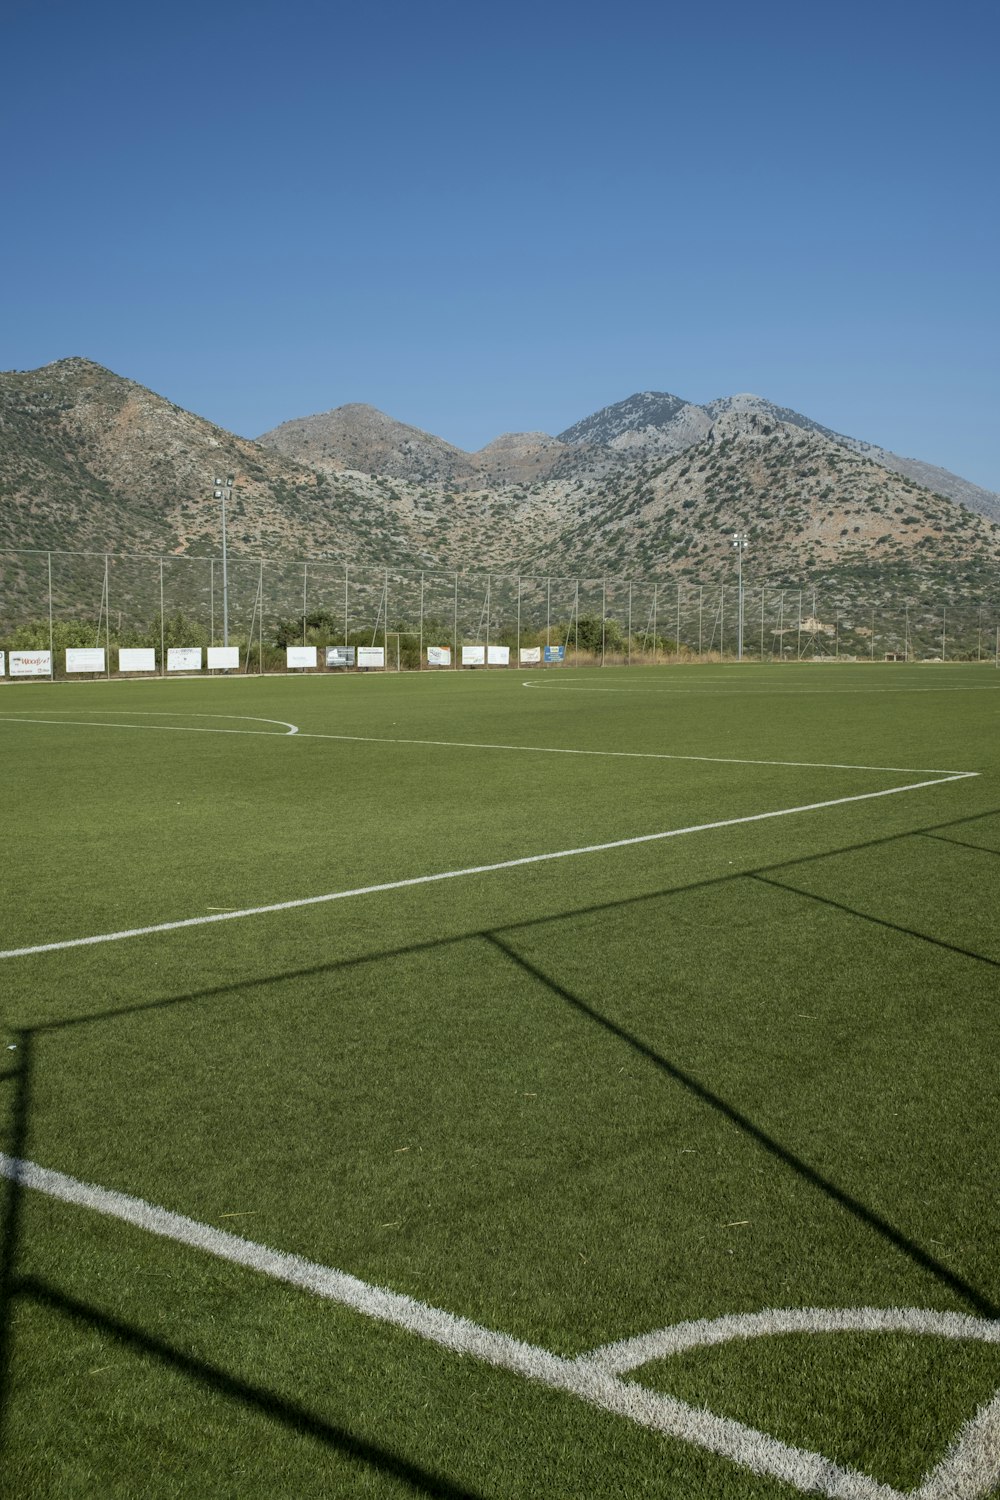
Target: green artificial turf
[573,1101]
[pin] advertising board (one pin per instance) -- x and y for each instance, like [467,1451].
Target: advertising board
[555,653]
[136,659]
[31,663]
[223,658]
[530,655]
[300,658]
[84,659]
[3,663]
[439,656]
[473,656]
[498,656]
[183,658]
[371,656]
[340,656]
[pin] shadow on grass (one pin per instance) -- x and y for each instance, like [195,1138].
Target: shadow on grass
[288,1413]
[955,1284]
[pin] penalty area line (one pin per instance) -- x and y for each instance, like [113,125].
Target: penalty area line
[486,869]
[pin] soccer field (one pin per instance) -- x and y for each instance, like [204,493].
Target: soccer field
[571,1083]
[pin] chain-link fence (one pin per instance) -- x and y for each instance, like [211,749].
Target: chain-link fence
[57,599]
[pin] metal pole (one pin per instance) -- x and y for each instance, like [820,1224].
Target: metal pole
[305,574]
[548,611]
[385,621]
[52,649]
[347,573]
[798,637]
[763,591]
[163,659]
[701,602]
[260,627]
[604,615]
[225,571]
[455,638]
[519,619]
[211,597]
[979,648]
[944,632]
[576,627]
[739,623]
[420,663]
[873,636]
[628,661]
[655,655]
[489,608]
[677,640]
[107,623]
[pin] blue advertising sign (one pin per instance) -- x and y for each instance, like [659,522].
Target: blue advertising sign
[555,653]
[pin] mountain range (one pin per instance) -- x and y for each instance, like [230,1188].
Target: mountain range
[653,484]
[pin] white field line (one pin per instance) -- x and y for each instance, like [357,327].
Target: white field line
[761,692]
[503,864]
[582,1378]
[380,739]
[21,718]
[631,1354]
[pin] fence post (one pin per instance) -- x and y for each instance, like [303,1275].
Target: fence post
[163,654]
[347,574]
[548,611]
[260,625]
[305,575]
[420,659]
[944,632]
[628,659]
[604,615]
[455,629]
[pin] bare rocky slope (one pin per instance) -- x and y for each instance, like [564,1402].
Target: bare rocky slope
[654,485]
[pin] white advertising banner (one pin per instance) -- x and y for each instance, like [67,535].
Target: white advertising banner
[31,663]
[300,657]
[371,656]
[183,658]
[439,656]
[498,656]
[473,656]
[136,659]
[223,658]
[84,658]
[3,663]
[530,655]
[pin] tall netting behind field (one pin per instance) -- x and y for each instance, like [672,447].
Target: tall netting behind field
[262,605]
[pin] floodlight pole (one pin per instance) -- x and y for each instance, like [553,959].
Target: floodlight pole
[223,492]
[740,541]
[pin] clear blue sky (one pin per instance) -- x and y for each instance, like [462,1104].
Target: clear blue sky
[490,218]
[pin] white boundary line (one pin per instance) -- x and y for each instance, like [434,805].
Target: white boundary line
[967,1471]
[504,864]
[759,691]
[21,718]
[378,739]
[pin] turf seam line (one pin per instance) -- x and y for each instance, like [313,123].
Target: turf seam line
[505,864]
[581,1377]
